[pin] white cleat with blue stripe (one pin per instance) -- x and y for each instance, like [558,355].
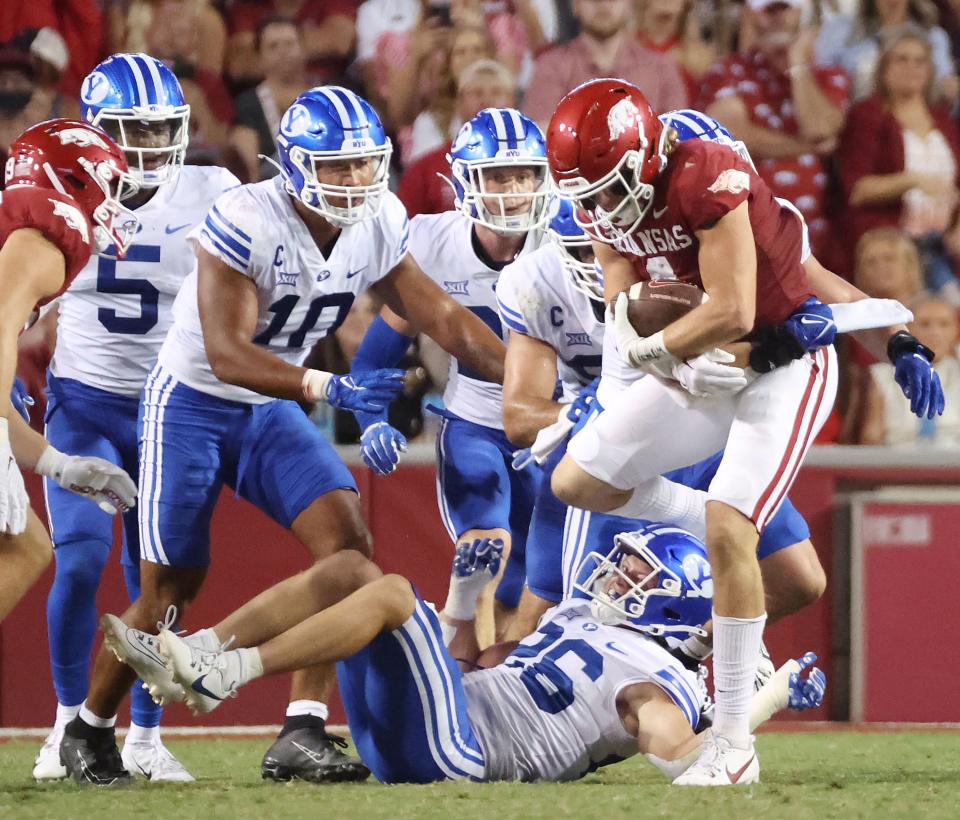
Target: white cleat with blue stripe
[141,652]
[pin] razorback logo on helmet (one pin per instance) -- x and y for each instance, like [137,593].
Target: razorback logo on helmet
[80,136]
[732,180]
[72,216]
[621,118]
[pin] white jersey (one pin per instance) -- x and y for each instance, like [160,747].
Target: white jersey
[116,314]
[537,297]
[302,296]
[549,711]
[442,244]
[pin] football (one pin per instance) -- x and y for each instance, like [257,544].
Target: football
[654,305]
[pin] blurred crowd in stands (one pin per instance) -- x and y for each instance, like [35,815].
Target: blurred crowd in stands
[848,107]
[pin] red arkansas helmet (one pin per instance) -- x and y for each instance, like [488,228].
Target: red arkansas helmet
[605,147]
[82,162]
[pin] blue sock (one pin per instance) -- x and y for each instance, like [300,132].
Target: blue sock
[72,616]
[143,711]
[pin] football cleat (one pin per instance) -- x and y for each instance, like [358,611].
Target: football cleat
[155,762]
[90,756]
[207,677]
[47,765]
[722,764]
[313,755]
[141,652]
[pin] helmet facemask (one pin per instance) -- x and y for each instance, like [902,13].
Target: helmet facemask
[623,583]
[586,273]
[113,222]
[341,205]
[154,142]
[491,209]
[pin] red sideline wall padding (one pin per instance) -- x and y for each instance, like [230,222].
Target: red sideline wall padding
[250,552]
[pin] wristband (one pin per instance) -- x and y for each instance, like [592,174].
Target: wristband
[903,342]
[315,384]
[648,349]
[50,463]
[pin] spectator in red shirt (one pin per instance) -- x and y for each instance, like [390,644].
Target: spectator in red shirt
[899,159]
[485,84]
[606,47]
[787,110]
[329,31]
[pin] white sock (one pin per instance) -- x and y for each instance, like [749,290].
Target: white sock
[736,650]
[462,596]
[143,734]
[773,697]
[65,714]
[96,721]
[672,769]
[308,707]
[204,639]
[251,667]
[667,502]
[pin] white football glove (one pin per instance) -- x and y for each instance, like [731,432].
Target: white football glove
[647,354]
[710,374]
[105,484]
[13,495]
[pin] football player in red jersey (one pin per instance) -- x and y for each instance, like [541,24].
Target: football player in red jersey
[697,212]
[64,180]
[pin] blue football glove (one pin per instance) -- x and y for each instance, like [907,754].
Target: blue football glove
[580,406]
[807,693]
[812,324]
[21,400]
[380,447]
[368,391]
[479,555]
[913,371]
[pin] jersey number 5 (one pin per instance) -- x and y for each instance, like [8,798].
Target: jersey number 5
[107,282]
[550,686]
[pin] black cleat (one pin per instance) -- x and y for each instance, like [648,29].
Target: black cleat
[309,753]
[91,756]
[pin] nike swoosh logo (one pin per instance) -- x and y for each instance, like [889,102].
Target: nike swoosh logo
[353,273]
[658,213]
[198,686]
[614,648]
[805,321]
[735,776]
[171,229]
[316,757]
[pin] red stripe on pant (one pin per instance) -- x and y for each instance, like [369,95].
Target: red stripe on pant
[806,439]
[794,434]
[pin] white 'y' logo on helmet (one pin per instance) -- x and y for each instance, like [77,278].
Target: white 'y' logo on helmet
[95,88]
[295,121]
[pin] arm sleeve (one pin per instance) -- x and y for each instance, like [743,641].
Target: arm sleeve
[711,189]
[381,346]
[227,231]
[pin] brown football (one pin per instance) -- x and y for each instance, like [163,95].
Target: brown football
[654,305]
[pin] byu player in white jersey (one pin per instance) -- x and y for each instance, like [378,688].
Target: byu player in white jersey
[111,323]
[593,686]
[498,167]
[279,265]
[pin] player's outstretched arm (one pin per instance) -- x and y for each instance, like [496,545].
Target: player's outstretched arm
[418,300]
[228,306]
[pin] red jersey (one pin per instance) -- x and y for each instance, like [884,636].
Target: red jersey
[56,216]
[702,182]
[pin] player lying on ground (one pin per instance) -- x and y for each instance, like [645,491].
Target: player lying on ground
[592,686]
[64,180]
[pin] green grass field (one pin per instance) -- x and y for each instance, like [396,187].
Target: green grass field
[805,775]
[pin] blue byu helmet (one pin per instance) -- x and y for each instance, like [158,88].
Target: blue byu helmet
[695,125]
[576,249]
[655,580]
[138,101]
[499,138]
[329,124]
